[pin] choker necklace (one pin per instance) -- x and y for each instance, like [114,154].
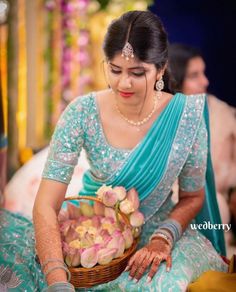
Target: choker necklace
[138,124]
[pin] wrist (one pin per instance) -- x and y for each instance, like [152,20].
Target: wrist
[162,237]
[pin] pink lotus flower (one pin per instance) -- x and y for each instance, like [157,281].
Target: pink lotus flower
[120,193]
[89,257]
[100,192]
[110,213]
[128,236]
[136,219]
[117,242]
[132,196]
[109,198]
[70,235]
[106,255]
[72,259]
[126,207]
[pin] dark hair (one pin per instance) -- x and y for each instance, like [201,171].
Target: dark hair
[179,57]
[144,31]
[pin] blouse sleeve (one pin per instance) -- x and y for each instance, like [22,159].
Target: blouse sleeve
[65,145]
[192,176]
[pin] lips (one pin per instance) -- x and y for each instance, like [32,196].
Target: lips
[126,94]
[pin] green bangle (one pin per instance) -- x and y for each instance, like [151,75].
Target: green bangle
[59,267]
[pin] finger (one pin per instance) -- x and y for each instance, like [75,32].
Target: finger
[168,263]
[146,263]
[137,264]
[154,268]
[132,259]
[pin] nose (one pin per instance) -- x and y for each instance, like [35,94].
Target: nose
[125,82]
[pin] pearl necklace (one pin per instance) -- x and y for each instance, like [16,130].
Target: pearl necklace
[138,124]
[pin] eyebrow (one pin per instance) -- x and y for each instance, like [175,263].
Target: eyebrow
[130,68]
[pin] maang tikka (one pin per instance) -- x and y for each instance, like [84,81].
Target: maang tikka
[127,51]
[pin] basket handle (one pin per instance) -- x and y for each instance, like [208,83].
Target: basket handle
[124,217]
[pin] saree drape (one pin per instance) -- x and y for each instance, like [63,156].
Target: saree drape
[147,164]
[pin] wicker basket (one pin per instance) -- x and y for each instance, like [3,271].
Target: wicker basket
[88,277]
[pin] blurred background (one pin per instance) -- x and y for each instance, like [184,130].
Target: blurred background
[51,52]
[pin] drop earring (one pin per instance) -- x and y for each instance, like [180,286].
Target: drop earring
[159,87]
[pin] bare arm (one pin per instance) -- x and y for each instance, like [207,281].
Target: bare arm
[188,207]
[48,202]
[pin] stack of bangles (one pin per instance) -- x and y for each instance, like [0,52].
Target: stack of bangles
[170,230]
[61,266]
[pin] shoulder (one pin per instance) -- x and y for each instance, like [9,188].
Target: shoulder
[83,101]
[220,105]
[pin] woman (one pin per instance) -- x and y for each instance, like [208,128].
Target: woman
[188,70]
[135,135]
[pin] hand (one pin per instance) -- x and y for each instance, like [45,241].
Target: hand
[152,255]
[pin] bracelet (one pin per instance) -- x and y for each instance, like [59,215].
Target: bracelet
[59,286]
[52,260]
[163,236]
[166,233]
[59,267]
[173,226]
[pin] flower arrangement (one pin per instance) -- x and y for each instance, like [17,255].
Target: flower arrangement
[97,234]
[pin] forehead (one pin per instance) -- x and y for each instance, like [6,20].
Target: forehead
[132,63]
[196,64]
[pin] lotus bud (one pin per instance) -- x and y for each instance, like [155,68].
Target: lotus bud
[109,198]
[63,215]
[89,257]
[120,242]
[64,227]
[128,236]
[87,240]
[126,207]
[120,193]
[96,221]
[73,211]
[75,258]
[117,242]
[100,192]
[132,196]
[110,213]
[136,219]
[98,208]
[71,235]
[105,236]
[106,255]
[86,209]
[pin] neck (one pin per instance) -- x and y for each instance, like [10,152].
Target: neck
[136,111]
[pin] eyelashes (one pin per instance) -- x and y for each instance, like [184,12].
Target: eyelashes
[136,74]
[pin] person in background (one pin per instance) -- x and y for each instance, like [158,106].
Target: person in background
[187,68]
[136,135]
